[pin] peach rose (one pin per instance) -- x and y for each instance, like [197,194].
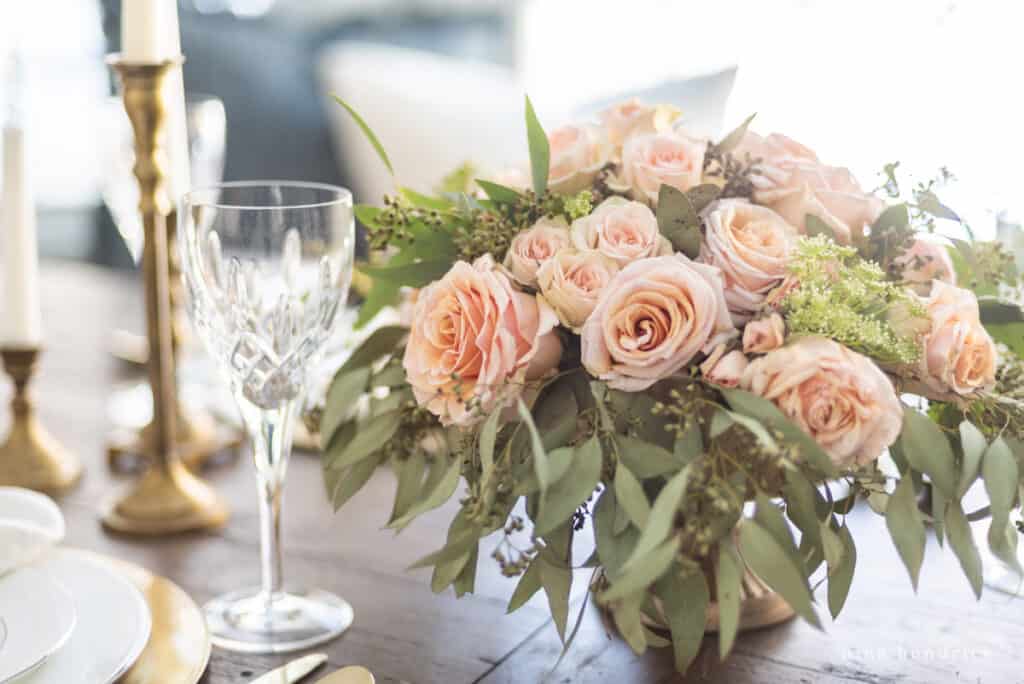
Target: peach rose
[751,245]
[652,319]
[771,154]
[764,334]
[621,230]
[958,354]
[924,261]
[830,193]
[632,117]
[669,158]
[724,370]
[535,245]
[837,396]
[577,154]
[475,340]
[572,281]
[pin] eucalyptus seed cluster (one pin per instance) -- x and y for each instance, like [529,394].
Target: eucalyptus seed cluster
[512,560]
[686,405]
[416,427]
[736,173]
[393,225]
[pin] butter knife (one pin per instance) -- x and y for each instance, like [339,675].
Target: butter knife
[293,671]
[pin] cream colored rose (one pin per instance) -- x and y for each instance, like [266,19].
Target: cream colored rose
[764,334]
[669,158]
[475,340]
[632,117]
[924,261]
[621,230]
[724,369]
[830,193]
[652,319]
[572,282]
[752,246]
[577,154]
[958,353]
[837,396]
[770,155]
[535,245]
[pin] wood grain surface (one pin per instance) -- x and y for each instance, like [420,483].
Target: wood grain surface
[404,633]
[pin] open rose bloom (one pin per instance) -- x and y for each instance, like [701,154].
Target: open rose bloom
[647,331]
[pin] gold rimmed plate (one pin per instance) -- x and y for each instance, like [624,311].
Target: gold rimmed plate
[178,649]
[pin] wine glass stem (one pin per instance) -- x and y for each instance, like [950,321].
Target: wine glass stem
[272,443]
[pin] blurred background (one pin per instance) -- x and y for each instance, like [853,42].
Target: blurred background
[927,82]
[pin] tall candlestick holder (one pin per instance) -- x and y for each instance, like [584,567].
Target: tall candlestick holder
[167,497]
[30,456]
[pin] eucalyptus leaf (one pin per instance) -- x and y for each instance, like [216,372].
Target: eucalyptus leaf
[466,580]
[565,495]
[643,571]
[729,142]
[728,580]
[840,574]
[779,567]
[630,495]
[928,202]
[456,547]
[663,512]
[1001,474]
[410,479]
[678,221]
[645,459]
[368,437]
[1003,546]
[499,193]
[559,462]
[422,201]
[439,487]
[801,506]
[344,483]
[939,503]
[447,571]
[613,550]
[556,581]
[417,274]
[540,151]
[973,445]
[685,599]
[928,450]
[962,542]
[381,342]
[368,133]
[1010,334]
[528,585]
[540,457]
[627,617]
[488,435]
[770,517]
[893,216]
[342,395]
[700,196]
[906,527]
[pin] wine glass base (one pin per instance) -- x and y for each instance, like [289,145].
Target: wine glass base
[241,621]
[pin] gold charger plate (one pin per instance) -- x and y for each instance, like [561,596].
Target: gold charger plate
[179,643]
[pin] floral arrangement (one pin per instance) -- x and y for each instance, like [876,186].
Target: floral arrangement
[676,345]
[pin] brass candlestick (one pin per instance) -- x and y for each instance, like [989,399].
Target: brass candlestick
[167,498]
[30,456]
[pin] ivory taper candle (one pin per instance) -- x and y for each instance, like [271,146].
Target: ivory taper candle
[20,321]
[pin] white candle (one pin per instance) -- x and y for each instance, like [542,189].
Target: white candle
[150,34]
[145,30]
[20,324]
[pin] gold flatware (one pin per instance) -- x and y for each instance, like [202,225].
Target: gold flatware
[349,675]
[293,671]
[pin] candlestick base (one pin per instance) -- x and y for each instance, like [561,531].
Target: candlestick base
[200,439]
[30,457]
[167,499]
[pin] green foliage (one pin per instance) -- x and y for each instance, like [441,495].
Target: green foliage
[540,152]
[843,297]
[679,216]
[368,133]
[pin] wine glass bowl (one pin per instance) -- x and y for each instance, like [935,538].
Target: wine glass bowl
[266,267]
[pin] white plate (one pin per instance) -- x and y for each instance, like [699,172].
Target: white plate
[113,622]
[36,618]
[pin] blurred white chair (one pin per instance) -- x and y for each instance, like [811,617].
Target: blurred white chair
[432,113]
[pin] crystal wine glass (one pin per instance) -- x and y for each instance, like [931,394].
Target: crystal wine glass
[266,268]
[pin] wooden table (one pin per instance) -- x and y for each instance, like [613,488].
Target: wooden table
[404,633]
